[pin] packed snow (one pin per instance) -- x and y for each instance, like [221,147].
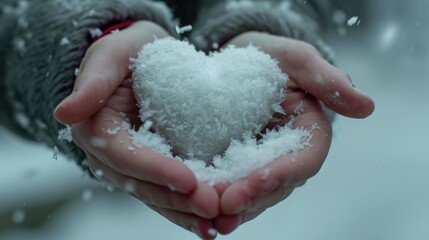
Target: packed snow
[209,109]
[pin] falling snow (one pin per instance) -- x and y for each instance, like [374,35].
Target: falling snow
[182,30]
[65,134]
[18,216]
[56,152]
[95,32]
[64,41]
[87,195]
[353,20]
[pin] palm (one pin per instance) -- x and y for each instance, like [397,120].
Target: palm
[313,83]
[121,106]
[102,98]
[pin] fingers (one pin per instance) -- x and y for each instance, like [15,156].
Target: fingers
[103,69]
[316,76]
[311,73]
[271,199]
[225,224]
[228,223]
[202,227]
[288,170]
[119,153]
[202,202]
[192,211]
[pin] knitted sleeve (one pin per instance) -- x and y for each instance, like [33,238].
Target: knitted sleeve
[41,44]
[303,20]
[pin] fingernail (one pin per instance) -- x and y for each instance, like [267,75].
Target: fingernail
[361,92]
[68,98]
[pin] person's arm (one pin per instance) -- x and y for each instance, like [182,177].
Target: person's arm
[220,21]
[41,45]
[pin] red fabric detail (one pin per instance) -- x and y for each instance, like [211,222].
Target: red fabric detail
[118,26]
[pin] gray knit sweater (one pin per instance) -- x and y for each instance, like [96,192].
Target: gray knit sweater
[43,41]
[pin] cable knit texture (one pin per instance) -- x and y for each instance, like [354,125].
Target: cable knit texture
[43,41]
[41,44]
[292,19]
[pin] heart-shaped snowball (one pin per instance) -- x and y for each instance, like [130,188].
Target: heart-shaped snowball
[201,103]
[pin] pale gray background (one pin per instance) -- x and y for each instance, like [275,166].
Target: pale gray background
[374,185]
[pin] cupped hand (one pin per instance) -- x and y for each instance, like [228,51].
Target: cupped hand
[102,98]
[313,84]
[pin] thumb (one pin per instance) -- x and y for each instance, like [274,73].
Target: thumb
[104,67]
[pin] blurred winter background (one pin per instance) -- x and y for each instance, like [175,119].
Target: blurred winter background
[374,185]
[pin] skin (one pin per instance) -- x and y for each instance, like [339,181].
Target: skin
[313,82]
[166,185]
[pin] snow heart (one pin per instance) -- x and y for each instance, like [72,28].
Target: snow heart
[208,109]
[200,103]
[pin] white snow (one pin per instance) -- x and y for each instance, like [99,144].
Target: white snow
[95,32]
[243,4]
[22,22]
[266,174]
[171,187]
[388,36]
[18,216]
[99,173]
[353,20]
[23,120]
[65,134]
[64,41]
[337,94]
[299,109]
[215,45]
[115,31]
[56,152]
[339,17]
[212,232]
[223,99]
[113,131]
[87,195]
[20,45]
[92,12]
[76,72]
[184,29]
[147,125]
[392,157]
[130,186]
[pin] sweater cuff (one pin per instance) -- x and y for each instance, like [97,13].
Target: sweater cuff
[112,29]
[41,72]
[279,19]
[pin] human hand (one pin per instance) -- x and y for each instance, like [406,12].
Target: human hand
[312,81]
[101,98]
